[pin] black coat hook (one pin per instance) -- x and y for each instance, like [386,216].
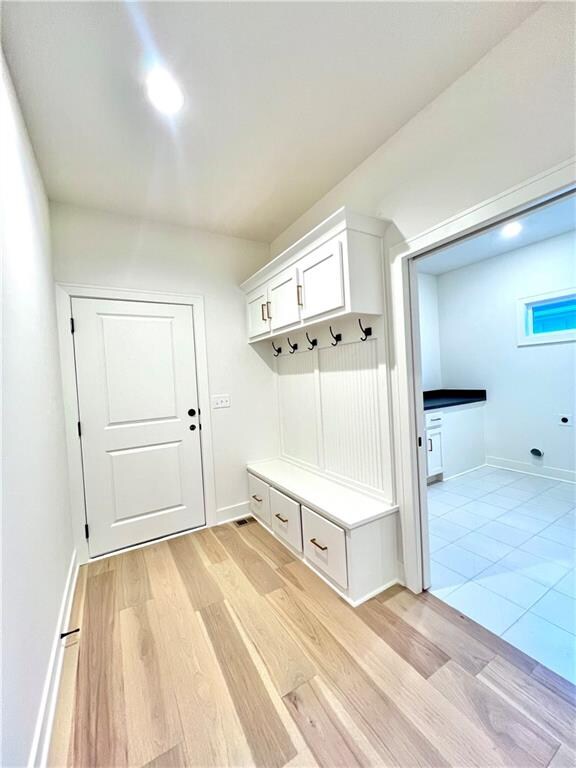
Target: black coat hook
[366,331]
[293,347]
[337,338]
[277,350]
[313,342]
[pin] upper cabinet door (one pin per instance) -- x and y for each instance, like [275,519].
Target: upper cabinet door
[321,276]
[284,297]
[258,317]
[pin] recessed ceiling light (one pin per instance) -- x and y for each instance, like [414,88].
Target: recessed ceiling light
[511,229]
[163,91]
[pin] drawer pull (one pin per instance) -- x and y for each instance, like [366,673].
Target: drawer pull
[282,519]
[257,498]
[299,296]
[313,541]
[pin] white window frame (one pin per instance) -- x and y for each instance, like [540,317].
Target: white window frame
[524,320]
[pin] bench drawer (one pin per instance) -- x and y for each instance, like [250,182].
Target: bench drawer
[259,493]
[325,546]
[285,516]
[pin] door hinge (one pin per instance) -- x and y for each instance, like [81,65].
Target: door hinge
[86,530]
[72,327]
[419,442]
[79,429]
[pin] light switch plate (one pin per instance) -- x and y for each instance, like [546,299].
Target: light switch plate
[220,401]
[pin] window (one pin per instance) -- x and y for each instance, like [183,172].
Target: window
[548,318]
[551,316]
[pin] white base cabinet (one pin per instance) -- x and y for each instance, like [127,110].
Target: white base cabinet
[357,562]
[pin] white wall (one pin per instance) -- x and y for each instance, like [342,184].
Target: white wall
[527,386]
[483,135]
[96,248]
[429,331]
[36,532]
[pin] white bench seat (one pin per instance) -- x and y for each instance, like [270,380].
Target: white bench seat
[345,506]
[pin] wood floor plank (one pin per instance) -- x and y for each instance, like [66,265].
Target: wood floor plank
[201,587]
[212,730]
[489,639]
[287,664]
[263,577]
[414,647]
[395,738]
[323,732]
[557,684]
[62,728]
[453,640]
[152,720]
[104,565]
[173,758]
[521,741]
[268,739]
[133,584]
[266,545]
[453,735]
[100,719]
[533,698]
[210,546]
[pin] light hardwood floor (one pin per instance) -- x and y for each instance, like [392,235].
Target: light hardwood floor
[219,648]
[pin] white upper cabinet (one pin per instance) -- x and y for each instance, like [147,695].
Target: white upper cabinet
[284,293]
[258,318]
[334,270]
[321,279]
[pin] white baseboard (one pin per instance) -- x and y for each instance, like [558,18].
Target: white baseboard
[233,512]
[524,466]
[43,731]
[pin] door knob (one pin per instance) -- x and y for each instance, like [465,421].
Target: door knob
[192,427]
[192,412]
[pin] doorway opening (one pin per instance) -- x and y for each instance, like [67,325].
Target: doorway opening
[496,394]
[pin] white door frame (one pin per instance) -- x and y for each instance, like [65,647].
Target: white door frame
[406,373]
[65,292]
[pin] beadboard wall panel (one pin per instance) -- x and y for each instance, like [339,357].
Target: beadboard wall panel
[350,412]
[298,407]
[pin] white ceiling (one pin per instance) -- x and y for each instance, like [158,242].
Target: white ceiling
[543,223]
[282,99]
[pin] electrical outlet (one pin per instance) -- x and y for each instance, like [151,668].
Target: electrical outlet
[220,401]
[565,419]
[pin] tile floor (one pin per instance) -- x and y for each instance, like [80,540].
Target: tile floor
[503,551]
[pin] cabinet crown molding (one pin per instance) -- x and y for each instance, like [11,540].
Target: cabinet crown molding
[342,219]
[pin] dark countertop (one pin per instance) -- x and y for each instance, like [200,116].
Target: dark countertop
[445,398]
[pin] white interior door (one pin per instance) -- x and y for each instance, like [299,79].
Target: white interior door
[140,429]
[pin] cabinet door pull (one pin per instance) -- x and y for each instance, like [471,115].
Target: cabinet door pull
[282,519]
[263,308]
[429,444]
[299,296]
[313,541]
[269,310]
[257,498]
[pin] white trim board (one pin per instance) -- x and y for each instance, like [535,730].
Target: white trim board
[551,473]
[64,294]
[45,719]
[406,374]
